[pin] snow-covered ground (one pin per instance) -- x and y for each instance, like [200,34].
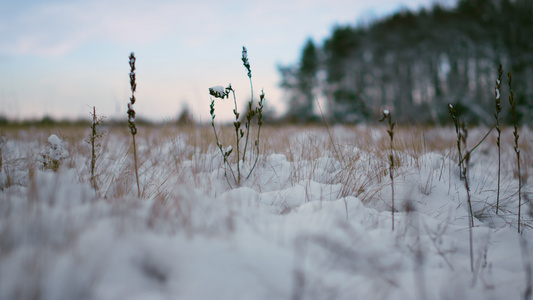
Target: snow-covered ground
[311,222]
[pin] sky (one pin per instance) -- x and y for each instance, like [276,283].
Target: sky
[60,58]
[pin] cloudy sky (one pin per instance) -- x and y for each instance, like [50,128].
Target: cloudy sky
[61,57]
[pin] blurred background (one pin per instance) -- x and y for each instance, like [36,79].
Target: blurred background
[60,58]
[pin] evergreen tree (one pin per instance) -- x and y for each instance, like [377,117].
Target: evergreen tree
[415,63]
[302,81]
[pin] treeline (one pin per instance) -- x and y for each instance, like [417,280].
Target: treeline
[415,63]
[48,121]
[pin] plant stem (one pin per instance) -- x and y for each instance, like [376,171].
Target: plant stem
[237,125]
[249,119]
[136,169]
[93,137]
[390,131]
[499,169]
[131,117]
[93,150]
[392,178]
[512,102]
[259,112]
[497,102]
[477,145]
[455,117]
[519,192]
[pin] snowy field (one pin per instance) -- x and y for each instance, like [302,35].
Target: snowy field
[313,221]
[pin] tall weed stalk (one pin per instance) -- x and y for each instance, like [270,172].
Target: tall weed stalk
[497,102]
[240,134]
[512,102]
[131,117]
[94,141]
[390,131]
[455,117]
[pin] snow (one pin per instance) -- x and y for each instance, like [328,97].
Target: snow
[305,225]
[497,93]
[54,140]
[55,150]
[217,91]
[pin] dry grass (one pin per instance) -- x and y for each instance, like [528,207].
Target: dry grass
[171,155]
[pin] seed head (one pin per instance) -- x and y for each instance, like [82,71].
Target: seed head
[246,62]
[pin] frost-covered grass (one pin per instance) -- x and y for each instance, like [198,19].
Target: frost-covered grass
[310,222]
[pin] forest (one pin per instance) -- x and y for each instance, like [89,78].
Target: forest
[415,64]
